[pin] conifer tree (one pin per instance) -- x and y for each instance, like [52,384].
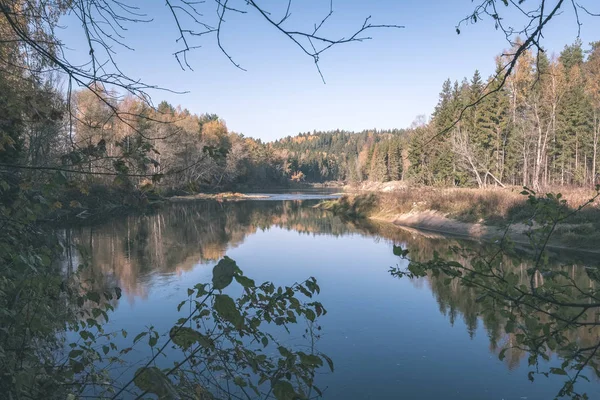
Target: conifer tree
[573,120]
[379,171]
[394,160]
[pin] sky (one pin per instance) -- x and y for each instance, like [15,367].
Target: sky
[383,83]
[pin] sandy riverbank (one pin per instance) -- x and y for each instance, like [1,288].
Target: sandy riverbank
[484,215]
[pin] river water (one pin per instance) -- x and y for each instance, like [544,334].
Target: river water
[389,338]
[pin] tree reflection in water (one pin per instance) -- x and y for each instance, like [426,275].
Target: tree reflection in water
[128,252]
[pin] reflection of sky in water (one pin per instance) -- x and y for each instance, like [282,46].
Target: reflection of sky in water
[296,196]
[386,336]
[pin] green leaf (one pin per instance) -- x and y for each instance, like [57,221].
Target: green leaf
[284,352]
[305,292]
[105,349]
[138,337]
[153,380]
[184,337]
[398,251]
[200,289]
[75,353]
[190,292]
[223,273]
[204,313]
[153,340]
[283,390]
[502,354]
[77,367]
[329,362]
[558,371]
[245,281]
[311,360]
[225,307]
[93,296]
[239,381]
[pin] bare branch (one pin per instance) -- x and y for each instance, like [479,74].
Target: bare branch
[532,40]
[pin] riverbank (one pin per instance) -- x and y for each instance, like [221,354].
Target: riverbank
[480,214]
[97,202]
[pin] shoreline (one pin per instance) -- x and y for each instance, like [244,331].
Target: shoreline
[451,213]
[436,222]
[518,238]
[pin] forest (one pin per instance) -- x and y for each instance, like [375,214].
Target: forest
[84,139]
[540,128]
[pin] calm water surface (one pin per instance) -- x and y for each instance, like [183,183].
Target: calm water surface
[389,338]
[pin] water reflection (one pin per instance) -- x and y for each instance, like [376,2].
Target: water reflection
[133,251]
[459,302]
[126,252]
[541,313]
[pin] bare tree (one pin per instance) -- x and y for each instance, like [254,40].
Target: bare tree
[32,25]
[477,164]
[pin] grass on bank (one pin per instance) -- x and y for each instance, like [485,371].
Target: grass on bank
[491,207]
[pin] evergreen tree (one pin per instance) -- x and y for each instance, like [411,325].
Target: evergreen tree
[379,170]
[494,125]
[417,157]
[443,114]
[592,86]
[573,120]
[394,159]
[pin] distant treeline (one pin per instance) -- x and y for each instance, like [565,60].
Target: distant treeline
[344,156]
[541,127]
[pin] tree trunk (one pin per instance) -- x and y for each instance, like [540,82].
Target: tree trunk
[496,179]
[480,181]
[595,145]
[576,155]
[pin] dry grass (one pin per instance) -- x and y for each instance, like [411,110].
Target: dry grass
[361,206]
[492,207]
[467,205]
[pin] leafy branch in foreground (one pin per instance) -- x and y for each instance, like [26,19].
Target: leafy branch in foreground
[544,308]
[54,342]
[223,347]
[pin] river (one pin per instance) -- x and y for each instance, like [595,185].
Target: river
[389,338]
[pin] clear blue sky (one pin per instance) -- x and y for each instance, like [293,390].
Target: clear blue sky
[382,83]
